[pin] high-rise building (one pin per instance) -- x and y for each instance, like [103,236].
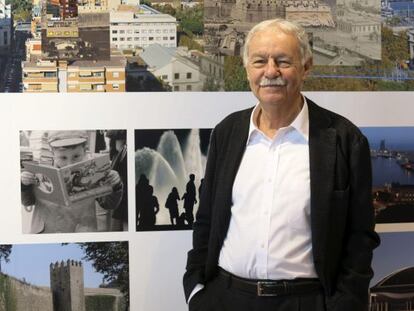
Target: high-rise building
[5,26]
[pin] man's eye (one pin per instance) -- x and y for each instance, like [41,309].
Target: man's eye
[284,64]
[258,61]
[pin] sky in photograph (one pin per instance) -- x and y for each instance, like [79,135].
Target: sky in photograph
[396,138]
[31,262]
[395,253]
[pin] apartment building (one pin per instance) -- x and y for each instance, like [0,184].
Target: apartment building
[79,76]
[40,76]
[137,27]
[97,76]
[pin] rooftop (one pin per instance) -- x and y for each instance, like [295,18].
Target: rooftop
[158,56]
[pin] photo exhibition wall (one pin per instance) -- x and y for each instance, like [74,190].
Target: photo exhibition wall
[161,140]
[106,112]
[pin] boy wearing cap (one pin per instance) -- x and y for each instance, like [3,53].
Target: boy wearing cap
[68,147]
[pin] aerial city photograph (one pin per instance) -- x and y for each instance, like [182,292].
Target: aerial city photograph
[191,45]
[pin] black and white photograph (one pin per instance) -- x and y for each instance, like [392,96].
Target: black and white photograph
[169,170]
[392,158]
[73,181]
[91,276]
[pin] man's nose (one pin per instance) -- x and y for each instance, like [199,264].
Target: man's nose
[272,69]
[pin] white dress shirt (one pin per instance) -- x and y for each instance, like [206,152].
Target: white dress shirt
[269,235]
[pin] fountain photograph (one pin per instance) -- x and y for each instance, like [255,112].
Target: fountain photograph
[169,170]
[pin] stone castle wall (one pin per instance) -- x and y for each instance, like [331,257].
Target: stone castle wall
[16,295]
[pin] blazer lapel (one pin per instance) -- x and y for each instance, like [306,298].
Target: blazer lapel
[322,155]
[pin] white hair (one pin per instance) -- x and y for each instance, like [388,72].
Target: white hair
[286,27]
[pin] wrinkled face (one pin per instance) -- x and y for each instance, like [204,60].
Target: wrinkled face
[66,156]
[274,67]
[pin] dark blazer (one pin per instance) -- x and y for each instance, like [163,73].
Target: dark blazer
[342,218]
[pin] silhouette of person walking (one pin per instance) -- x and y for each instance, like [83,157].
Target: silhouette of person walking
[172,205]
[147,203]
[189,198]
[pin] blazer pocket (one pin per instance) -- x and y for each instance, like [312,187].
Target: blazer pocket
[340,197]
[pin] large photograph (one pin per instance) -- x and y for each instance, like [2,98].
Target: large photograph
[88,276]
[73,181]
[100,46]
[169,171]
[392,158]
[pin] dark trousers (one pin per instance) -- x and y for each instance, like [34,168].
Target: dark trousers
[218,295]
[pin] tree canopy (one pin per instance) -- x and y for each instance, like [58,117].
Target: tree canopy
[5,251]
[110,259]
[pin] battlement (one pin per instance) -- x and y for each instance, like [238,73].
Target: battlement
[63,264]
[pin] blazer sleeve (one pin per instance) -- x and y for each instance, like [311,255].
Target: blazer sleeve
[360,239]
[197,256]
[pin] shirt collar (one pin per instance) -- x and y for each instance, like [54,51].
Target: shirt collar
[300,123]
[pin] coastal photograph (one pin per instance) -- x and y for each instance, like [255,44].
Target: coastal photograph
[73,181]
[392,158]
[89,276]
[169,171]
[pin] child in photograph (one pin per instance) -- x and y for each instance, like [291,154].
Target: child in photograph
[68,147]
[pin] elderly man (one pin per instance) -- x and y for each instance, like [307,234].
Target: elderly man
[285,221]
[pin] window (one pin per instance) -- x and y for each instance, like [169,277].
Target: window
[150,38]
[71,74]
[114,39]
[129,39]
[114,31]
[122,31]
[115,86]
[188,87]
[121,39]
[164,77]
[189,75]
[129,31]
[172,38]
[176,76]
[50,74]
[164,38]
[176,88]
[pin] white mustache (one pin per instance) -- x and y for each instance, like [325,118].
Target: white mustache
[270,82]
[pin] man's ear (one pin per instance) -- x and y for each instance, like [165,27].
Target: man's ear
[307,67]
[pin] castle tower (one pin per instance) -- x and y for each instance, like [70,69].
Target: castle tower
[66,283]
